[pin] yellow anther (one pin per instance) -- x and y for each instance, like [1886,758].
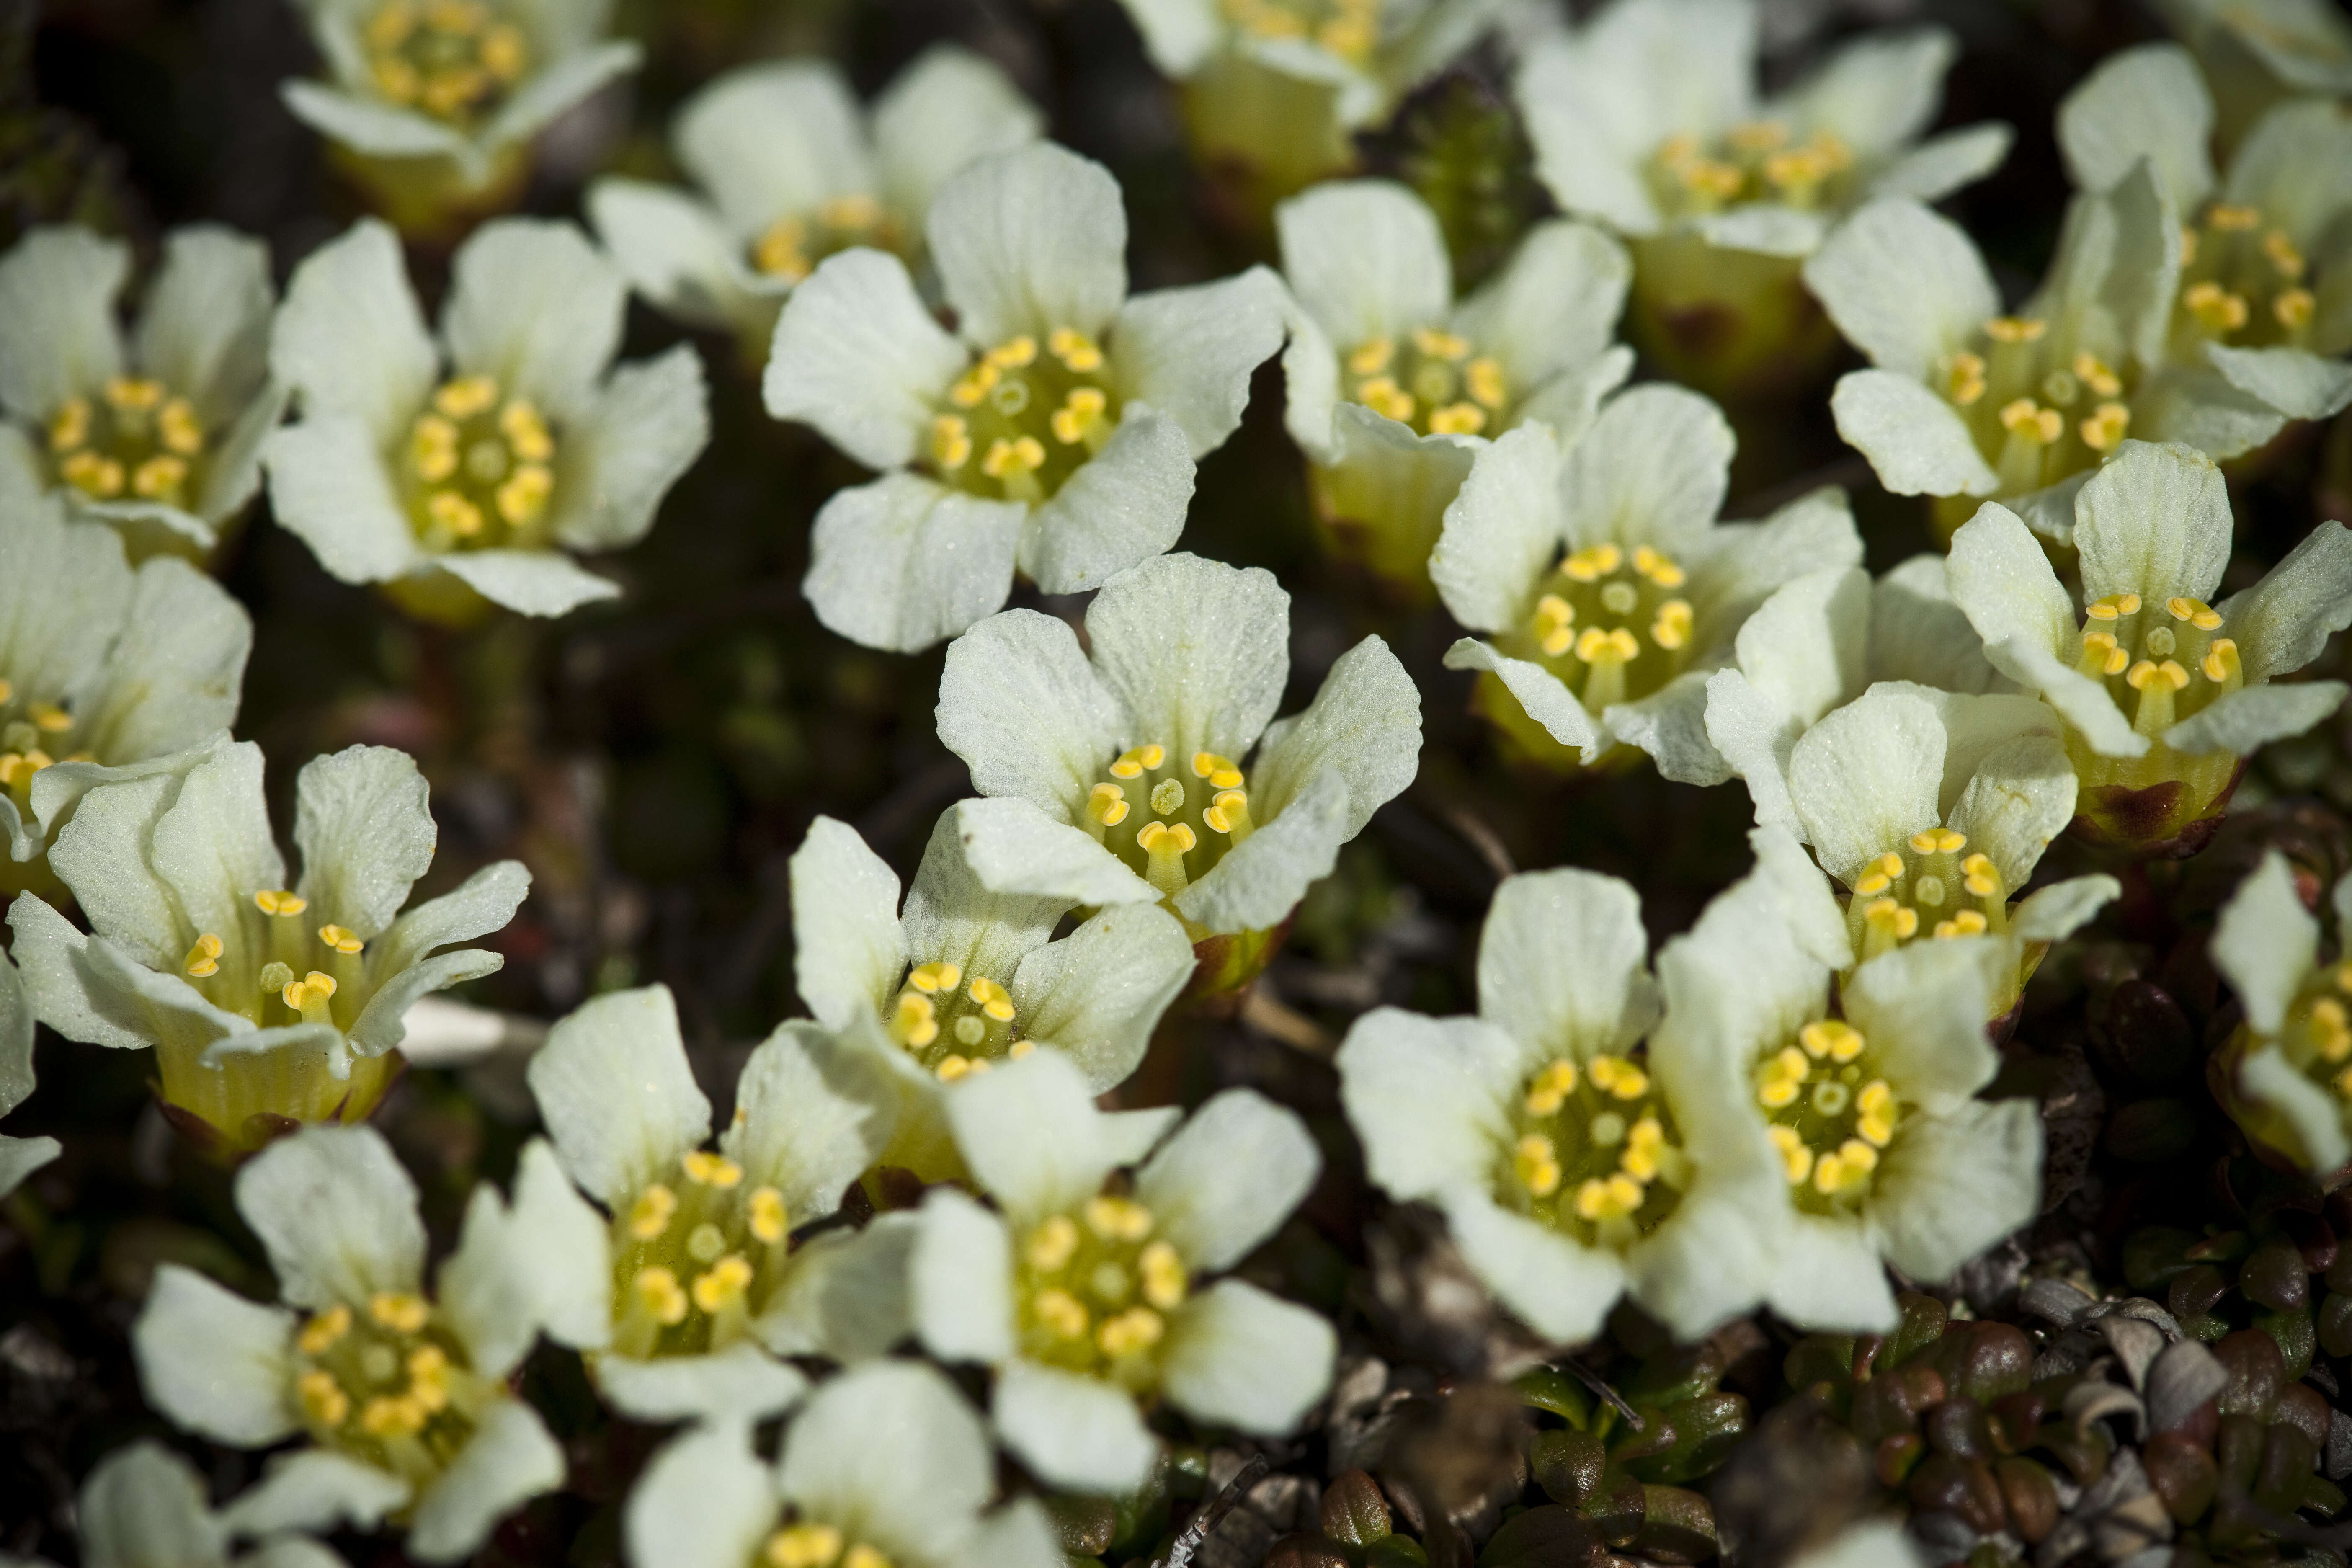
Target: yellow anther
[309,993]
[340,939]
[1220,771]
[70,426]
[1536,1162]
[204,959]
[723,1285]
[1939,841]
[1711,177]
[1107,805]
[1901,921]
[1550,1088]
[2094,372]
[433,449]
[2029,421]
[1371,357]
[1117,1219]
[1555,624]
[778,253]
[2280,248]
[1052,1244]
[1166,838]
[1020,1049]
[48,718]
[135,395]
[1617,1077]
[2220,660]
[159,478]
[1833,1038]
[2103,429]
[991,998]
[1484,379]
[391,1416]
[1874,883]
[650,1214]
[2015,329]
[1073,349]
[1968,922]
[455,513]
[1014,458]
[803,1546]
[1593,645]
[2148,672]
[179,429]
[93,475]
[523,497]
[466,397]
[1165,1279]
[1796,1159]
[399,1312]
[278,901]
[1438,343]
[1457,419]
[1981,879]
[1384,398]
[1593,564]
[1061,1313]
[1672,629]
[1131,1332]
[938,976]
[1078,413]
[2103,654]
[659,1292]
[1013,353]
[2215,308]
[526,432]
[2292,307]
[319,1334]
[1658,568]
[2234,218]
[914,1020]
[323,1399]
[954,1069]
[1964,383]
[710,1170]
[428,1377]
[973,385]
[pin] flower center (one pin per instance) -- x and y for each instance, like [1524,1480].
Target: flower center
[693,1262]
[274,969]
[2036,416]
[1597,1155]
[2160,664]
[952,1028]
[1095,1289]
[388,1384]
[1614,627]
[1347,29]
[1929,887]
[1019,423]
[1168,821]
[1429,381]
[1759,162]
[28,730]
[791,247]
[2318,1035]
[2240,282]
[1829,1114]
[137,440]
[813,1545]
[479,469]
[455,60]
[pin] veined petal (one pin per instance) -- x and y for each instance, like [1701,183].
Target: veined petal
[2002,579]
[1020,705]
[1030,1131]
[1952,1185]
[1715,1254]
[613,1088]
[740,1385]
[1364,725]
[2154,520]
[952,915]
[2265,943]
[847,950]
[812,1115]
[104,849]
[1651,471]
[509,1460]
[1125,505]
[1261,880]
[1365,259]
[1503,530]
[2144,102]
[1097,994]
[1554,306]
[538,308]
[329,487]
[1077,1432]
[215,1362]
[959,1279]
[564,84]
[1754,735]
[1561,964]
[2299,385]
[705,1501]
[1561,1289]
[366,834]
[1919,633]
[1197,652]
[2021,797]
[1922,1006]
[1879,91]
[773,141]
[57,332]
[1916,443]
[1014,848]
[2253,716]
[1228,1177]
[1538,692]
[675,251]
[1670,724]
[1429,1098]
[1190,352]
[172,678]
[636,437]
[2292,166]
[1029,240]
[1865,779]
[1239,1356]
[1806,648]
[1829,1277]
[858,355]
[2055,913]
[349,338]
[1941,164]
[890,1453]
[205,328]
[337,1215]
[528,582]
[948,108]
[144,1507]
[1904,285]
[903,562]
[316,1490]
[845,1295]
[64,990]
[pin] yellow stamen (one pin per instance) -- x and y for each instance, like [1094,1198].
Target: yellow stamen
[398,1310]
[319,1334]
[710,1170]
[723,1285]
[204,959]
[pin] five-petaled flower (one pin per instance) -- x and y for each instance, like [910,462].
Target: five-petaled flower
[2286,1074]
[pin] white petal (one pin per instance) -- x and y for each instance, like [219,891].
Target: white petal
[103,850]
[317,1489]
[1228,1177]
[1538,691]
[1952,1185]
[57,332]
[215,1362]
[1918,632]
[1196,651]
[2021,797]
[1880,1543]
[2117,266]
[1750,562]
[1738,980]
[1365,259]
[1029,240]
[2053,913]
[1019,703]
[529,581]
[566,82]
[483,903]
[380,130]
[330,488]
[847,1295]
[2282,622]
[1430,1098]
[337,1215]
[1829,1278]
[1754,735]
[1177,34]
[1382,484]
[1503,531]
[847,951]
[144,1507]
[20,1157]
[2252,717]
[2144,102]
[1922,1006]
[959,1279]
[1561,1289]
[1030,1131]
[1099,992]
[545,1262]
[902,563]
[66,993]
[1364,725]
[2002,579]
[640,433]
[1190,352]
[1865,779]
[1942,164]
[1904,285]
[2083,702]
[890,1453]
[705,1501]
[613,1088]
[773,141]
[740,1385]
[810,1117]
[2154,520]
[509,1460]
[1261,880]
[857,355]
[1715,1254]
[1670,724]
[1560,963]
[1077,1433]
[1880,91]
[1651,471]
[2265,942]
[2268,1078]
[205,328]
[948,108]
[2298,385]
[1806,646]
[1123,506]
[1916,444]
[172,678]
[366,834]
[1763,228]
[1243,1358]
[350,339]
[1554,306]
[2197,406]
[1013,848]
[678,253]
[952,915]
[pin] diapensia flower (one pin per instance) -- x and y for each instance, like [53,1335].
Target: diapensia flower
[404,1396]
[19,1157]
[2287,1072]
[105,669]
[1573,1162]
[1054,431]
[790,171]
[265,1001]
[462,468]
[691,1276]
[1885,1152]
[963,978]
[2260,303]
[1156,742]
[143,1506]
[1393,386]
[2163,693]
[1610,589]
[444,96]
[2256,52]
[1084,1293]
[885,1466]
[157,430]
[1932,808]
[1647,119]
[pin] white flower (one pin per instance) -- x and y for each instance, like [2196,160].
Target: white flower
[404,1399]
[1885,1151]
[1967,402]
[264,1001]
[2261,304]
[1932,809]
[791,171]
[1573,1166]
[966,978]
[885,1466]
[2258,51]
[158,431]
[105,671]
[143,1506]
[1610,588]
[468,465]
[460,87]
[1817,644]
[2162,693]
[1082,1299]
[1647,119]
[696,1270]
[19,1157]
[2292,1058]
[1391,383]
[1057,433]
[1145,744]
